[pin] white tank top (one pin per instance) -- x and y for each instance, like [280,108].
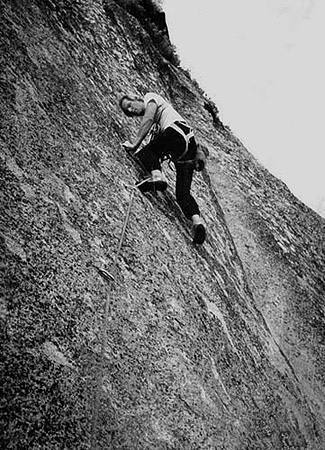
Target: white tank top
[165,114]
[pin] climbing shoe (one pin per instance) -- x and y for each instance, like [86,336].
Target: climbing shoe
[150,185]
[156,182]
[198,233]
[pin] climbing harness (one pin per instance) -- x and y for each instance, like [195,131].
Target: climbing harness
[184,130]
[198,162]
[110,279]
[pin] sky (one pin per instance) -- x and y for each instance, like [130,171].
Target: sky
[262,63]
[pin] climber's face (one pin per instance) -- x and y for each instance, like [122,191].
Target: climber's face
[133,107]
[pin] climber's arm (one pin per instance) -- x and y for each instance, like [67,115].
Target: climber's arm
[146,124]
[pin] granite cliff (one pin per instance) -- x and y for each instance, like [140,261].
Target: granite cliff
[220,346]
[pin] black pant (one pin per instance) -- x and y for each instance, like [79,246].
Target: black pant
[172,143]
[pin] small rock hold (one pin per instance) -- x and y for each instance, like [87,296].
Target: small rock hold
[15,248]
[55,355]
[3,309]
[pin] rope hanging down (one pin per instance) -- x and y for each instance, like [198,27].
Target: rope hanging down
[110,279]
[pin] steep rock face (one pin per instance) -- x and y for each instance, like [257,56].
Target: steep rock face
[213,347]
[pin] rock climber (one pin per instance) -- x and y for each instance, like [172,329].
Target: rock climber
[174,140]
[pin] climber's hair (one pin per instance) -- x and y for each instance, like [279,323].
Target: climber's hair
[128,97]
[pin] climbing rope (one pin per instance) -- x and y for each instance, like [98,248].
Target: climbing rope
[110,279]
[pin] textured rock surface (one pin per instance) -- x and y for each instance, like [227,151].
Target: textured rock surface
[213,347]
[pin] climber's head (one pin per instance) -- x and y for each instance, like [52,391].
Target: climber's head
[132,105]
